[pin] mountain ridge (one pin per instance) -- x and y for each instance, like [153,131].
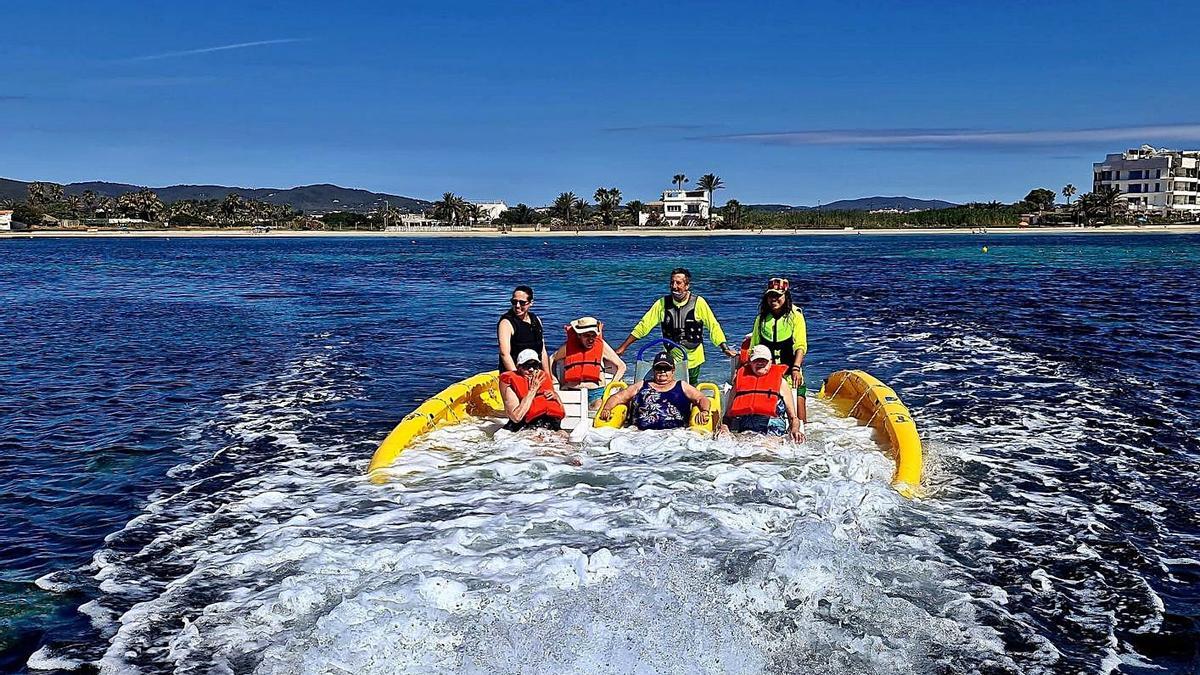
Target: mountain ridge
[862,204]
[315,198]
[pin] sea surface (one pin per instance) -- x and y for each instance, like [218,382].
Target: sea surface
[185,423]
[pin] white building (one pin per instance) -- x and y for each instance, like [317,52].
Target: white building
[491,210]
[1152,179]
[6,220]
[682,208]
[418,222]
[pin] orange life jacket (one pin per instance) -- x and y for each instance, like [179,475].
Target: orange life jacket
[582,365]
[755,394]
[541,406]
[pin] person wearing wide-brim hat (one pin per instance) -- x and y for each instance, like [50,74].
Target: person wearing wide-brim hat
[780,326]
[582,361]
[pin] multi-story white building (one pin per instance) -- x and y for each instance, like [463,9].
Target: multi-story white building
[682,208]
[1152,179]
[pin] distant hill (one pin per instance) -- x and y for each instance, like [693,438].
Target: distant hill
[863,204]
[321,198]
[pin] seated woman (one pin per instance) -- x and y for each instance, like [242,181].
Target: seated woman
[584,358]
[761,395]
[663,402]
[529,398]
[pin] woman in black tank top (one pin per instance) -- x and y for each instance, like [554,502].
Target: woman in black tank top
[525,326]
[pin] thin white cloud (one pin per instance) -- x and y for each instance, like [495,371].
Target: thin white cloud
[218,48]
[964,138]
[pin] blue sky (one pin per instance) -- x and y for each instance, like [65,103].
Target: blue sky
[787,102]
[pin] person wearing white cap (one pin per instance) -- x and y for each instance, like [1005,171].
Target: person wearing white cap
[585,357]
[530,401]
[761,395]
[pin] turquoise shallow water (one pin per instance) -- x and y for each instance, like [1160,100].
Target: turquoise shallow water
[154,388]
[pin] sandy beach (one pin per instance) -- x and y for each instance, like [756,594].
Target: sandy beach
[529,232]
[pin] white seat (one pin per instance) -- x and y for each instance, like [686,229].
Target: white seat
[575,404]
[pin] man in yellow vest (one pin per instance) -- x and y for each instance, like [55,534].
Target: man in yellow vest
[683,316]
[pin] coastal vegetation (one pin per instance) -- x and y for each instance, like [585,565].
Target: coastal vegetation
[48,204]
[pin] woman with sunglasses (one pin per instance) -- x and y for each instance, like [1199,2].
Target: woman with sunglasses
[520,329]
[662,402]
[780,326]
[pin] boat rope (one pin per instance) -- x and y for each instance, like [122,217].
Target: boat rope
[838,388]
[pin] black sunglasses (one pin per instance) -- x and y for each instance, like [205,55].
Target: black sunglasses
[663,369]
[522,303]
[531,365]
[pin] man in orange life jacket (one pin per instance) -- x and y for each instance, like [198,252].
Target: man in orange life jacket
[760,395]
[584,357]
[529,398]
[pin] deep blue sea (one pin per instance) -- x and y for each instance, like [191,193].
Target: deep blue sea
[184,424]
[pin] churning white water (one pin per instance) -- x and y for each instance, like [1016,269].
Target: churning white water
[634,552]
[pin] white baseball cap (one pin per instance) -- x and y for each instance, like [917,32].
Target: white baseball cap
[760,352]
[528,355]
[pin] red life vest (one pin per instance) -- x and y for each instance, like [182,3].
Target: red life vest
[541,406]
[582,365]
[755,394]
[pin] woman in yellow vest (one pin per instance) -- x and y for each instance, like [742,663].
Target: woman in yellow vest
[780,326]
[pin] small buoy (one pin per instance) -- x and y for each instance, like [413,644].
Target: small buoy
[545,243]
[985,249]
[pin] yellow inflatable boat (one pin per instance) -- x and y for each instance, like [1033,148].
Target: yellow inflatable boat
[478,396]
[851,393]
[856,394]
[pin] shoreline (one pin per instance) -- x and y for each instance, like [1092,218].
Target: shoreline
[529,233]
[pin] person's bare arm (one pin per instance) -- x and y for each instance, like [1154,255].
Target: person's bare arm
[514,407]
[556,357]
[620,398]
[504,332]
[795,430]
[625,345]
[611,356]
[700,400]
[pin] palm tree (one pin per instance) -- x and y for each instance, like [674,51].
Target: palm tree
[91,202]
[711,183]
[608,200]
[44,194]
[679,180]
[1109,201]
[233,208]
[634,209]
[448,209]
[733,212]
[474,211]
[1069,191]
[564,206]
[522,214]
